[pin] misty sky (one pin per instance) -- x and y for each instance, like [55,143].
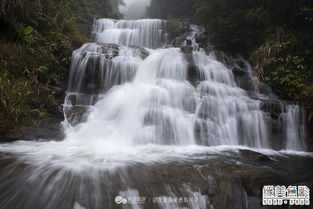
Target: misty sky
[134,8]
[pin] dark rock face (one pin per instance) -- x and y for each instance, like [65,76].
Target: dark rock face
[48,129]
[3,135]
[186,49]
[94,67]
[202,39]
[193,75]
[253,156]
[239,71]
[273,106]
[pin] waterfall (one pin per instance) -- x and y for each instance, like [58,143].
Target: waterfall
[150,99]
[294,128]
[226,115]
[146,32]
[144,119]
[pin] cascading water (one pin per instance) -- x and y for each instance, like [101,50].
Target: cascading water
[157,122]
[154,102]
[146,33]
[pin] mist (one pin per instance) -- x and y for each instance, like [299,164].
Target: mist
[134,9]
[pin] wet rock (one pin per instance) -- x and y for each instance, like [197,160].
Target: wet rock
[186,49]
[189,42]
[72,99]
[48,129]
[254,156]
[3,135]
[273,107]
[178,41]
[202,39]
[239,71]
[143,53]
[55,108]
[109,50]
[193,76]
[76,114]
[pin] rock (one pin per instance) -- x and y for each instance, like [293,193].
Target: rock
[193,76]
[143,53]
[76,114]
[254,156]
[272,106]
[189,42]
[186,49]
[3,135]
[239,71]
[109,50]
[48,129]
[202,39]
[178,41]
[112,50]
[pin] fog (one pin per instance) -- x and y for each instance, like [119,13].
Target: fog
[134,9]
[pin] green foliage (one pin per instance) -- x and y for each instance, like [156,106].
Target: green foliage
[175,28]
[36,43]
[15,96]
[290,71]
[288,76]
[25,32]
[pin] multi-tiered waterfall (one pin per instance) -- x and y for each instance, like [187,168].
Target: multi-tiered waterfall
[145,96]
[148,118]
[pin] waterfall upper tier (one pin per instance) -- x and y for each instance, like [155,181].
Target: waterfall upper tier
[148,33]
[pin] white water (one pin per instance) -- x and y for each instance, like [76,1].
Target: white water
[156,104]
[146,32]
[294,128]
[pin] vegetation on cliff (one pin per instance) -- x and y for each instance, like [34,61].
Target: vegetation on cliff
[276,36]
[36,42]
